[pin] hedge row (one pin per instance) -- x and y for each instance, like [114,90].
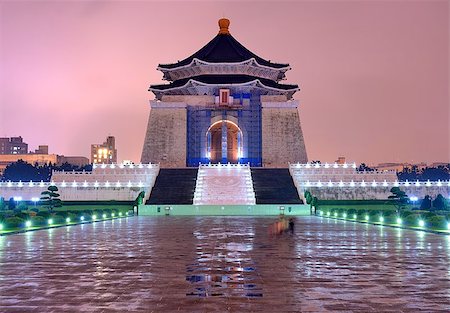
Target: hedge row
[390,216]
[12,219]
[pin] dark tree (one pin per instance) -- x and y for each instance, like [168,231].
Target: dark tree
[308,197]
[140,198]
[20,170]
[50,198]
[399,197]
[11,204]
[364,168]
[426,203]
[439,203]
[23,171]
[410,174]
[435,173]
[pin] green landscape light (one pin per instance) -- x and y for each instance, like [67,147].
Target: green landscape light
[381,219]
[1,226]
[50,221]
[68,220]
[399,221]
[28,223]
[104,215]
[421,223]
[112,214]
[82,218]
[120,213]
[367,217]
[354,216]
[344,215]
[328,213]
[335,214]
[94,217]
[448,226]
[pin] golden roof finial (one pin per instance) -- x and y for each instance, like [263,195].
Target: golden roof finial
[224,23]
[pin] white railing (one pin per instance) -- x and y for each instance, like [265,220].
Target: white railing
[131,165]
[371,184]
[335,166]
[85,184]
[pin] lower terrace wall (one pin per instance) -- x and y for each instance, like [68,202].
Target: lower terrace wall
[224,210]
[76,193]
[371,193]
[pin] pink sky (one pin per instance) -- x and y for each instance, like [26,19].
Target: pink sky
[374,75]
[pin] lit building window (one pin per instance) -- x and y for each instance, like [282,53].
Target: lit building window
[224,95]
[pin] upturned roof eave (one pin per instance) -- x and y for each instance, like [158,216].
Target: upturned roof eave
[163,69]
[190,81]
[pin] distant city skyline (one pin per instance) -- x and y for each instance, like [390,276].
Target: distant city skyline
[374,76]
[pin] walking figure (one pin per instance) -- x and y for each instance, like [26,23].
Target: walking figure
[291,225]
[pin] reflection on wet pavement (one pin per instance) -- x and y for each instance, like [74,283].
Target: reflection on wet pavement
[224,266]
[207,264]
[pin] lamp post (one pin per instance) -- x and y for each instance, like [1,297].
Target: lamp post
[17,199]
[35,200]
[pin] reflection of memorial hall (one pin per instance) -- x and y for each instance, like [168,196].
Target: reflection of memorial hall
[224,104]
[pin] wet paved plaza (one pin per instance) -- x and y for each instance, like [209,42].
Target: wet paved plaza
[218,264]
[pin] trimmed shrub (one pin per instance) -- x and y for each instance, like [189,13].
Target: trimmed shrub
[350,212]
[361,214]
[373,213]
[13,222]
[23,215]
[38,221]
[44,214]
[405,213]
[22,206]
[438,222]
[428,215]
[58,219]
[87,217]
[411,220]
[73,217]
[62,213]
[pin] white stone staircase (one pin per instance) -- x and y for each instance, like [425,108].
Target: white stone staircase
[224,184]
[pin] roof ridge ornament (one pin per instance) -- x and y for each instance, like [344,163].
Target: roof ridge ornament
[224,23]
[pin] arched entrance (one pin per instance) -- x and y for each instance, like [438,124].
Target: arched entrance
[224,142]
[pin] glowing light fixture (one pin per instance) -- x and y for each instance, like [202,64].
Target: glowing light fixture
[399,221]
[68,220]
[28,223]
[421,223]
[82,218]
[366,217]
[344,215]
[381,219]
[94,217]
[354,216]
[50,221]
[104,215]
